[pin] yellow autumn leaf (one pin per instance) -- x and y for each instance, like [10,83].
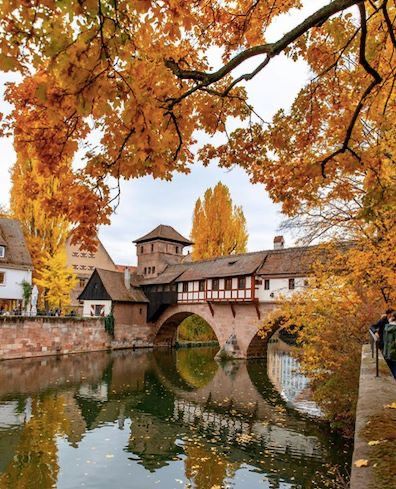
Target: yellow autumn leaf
[374,442]
[391,406]
[361,463]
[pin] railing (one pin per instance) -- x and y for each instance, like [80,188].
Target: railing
[374,350]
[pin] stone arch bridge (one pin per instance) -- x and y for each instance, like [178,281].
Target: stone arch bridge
[236,326]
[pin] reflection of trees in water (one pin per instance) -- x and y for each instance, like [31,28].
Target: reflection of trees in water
[161,392]
[206,468]
[35,463]
[196,366]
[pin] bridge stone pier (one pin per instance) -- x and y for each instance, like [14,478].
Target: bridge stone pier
[236,326]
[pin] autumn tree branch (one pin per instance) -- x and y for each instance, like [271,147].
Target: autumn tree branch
[270,49]
[377,79]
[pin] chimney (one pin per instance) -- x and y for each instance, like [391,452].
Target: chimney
[279,243]
[127,278]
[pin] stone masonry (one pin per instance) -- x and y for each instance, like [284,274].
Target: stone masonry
[236,327]
[40,336]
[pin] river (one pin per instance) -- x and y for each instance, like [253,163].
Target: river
[167,419]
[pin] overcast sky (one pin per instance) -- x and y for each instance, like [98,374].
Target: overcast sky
[146,202]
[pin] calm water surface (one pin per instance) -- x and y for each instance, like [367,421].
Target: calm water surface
[148,419]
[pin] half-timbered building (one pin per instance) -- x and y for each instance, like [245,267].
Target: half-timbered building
[166,276]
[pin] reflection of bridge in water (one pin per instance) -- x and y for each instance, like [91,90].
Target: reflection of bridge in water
[236,429]
[170,396]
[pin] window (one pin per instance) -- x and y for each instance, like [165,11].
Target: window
[228,284]
[215,284]
[202,285]
[141,249]
[266,284]
[149,270]
[152,248]
[145,270]
[153,269]
[99,310]
[82,283]
[242,283]
[2,251]
[291,283]
[185,286]
[177,249]
[2,278]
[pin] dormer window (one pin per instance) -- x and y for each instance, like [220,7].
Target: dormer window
[2,251]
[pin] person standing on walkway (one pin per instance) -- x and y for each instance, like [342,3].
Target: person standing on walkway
[380,326]
[389,351]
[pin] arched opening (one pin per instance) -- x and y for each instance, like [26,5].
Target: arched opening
[194,329]
[258,346]
[185,328]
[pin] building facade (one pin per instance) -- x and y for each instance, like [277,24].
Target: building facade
[167,276]
[15,265]
[83,264]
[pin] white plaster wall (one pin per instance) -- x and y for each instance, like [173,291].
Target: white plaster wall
[87,306]
[278,286]
[12,289]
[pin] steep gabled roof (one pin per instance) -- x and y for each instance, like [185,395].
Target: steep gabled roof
[166,233]
[11,236]
[114,288]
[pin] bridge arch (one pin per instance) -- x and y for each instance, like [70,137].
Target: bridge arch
[168,323]
[236,326]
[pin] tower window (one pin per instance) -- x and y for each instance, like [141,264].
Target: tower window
[153,269]
[141,249]
[2,251]
[291,283]
[266,284]
[145,270]
[152,248]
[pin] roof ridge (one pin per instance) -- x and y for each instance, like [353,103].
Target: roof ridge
[249,253]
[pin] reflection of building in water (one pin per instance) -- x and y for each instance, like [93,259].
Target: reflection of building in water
[97,392]
[284,372]
[233,428]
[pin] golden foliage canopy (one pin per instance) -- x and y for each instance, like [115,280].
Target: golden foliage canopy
[219,228]
[138,76]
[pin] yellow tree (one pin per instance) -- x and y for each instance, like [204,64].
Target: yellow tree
[57,280]
[45,234]
[219,227]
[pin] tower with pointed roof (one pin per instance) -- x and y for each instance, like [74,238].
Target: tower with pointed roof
[159,248]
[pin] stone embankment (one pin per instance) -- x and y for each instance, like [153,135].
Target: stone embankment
[22,337]
[374,416]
